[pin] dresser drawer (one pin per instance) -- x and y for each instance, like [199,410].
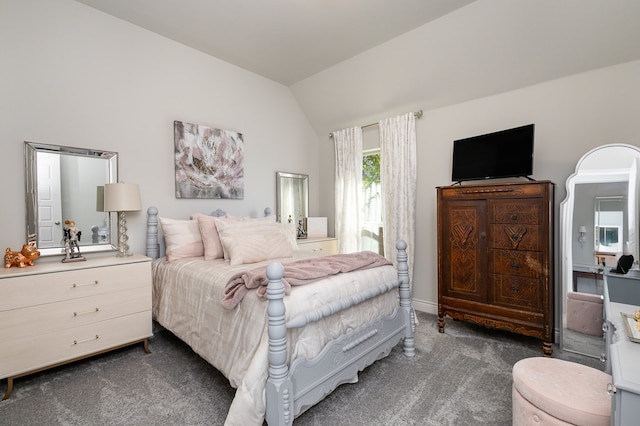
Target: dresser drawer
[28,353]
[36,289]
[41,319]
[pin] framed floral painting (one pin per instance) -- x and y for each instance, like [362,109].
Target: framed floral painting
[209,162]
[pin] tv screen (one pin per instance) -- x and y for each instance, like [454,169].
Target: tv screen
[507,153]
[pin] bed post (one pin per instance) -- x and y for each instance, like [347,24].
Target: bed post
[153,251]
[279,390]
[405,300]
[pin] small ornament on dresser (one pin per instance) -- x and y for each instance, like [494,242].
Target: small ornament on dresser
[71,238]
[22,258]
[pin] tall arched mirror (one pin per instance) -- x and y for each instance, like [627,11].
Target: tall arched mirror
[598,223]
[65,183]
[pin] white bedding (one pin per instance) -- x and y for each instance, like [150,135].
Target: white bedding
[235,341]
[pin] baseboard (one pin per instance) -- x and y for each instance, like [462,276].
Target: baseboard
[425,306]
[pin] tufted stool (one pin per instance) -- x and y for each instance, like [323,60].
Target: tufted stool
[584,313]
[550,391]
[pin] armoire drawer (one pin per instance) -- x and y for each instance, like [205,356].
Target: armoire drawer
[42,319]
[27,353]
[517,237]
[517,292]
[36,289]
[521,211]
[517,263]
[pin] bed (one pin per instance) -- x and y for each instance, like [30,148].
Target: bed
[282,345]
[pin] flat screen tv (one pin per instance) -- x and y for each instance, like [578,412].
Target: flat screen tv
[507,153]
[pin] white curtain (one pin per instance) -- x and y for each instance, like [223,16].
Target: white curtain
[398,175]
[348,188]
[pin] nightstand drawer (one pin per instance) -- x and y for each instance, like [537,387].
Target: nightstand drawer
[325,245]
[36,289]
[28,353]
[41,319]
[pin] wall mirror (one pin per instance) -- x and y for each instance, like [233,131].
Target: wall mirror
[65,183]
[292,199]
[598,223]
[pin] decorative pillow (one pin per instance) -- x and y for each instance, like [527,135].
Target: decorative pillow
[252,248]
[210,237]
[182,238]
[240,228]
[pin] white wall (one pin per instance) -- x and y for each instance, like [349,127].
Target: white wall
[74,76]
[572,115]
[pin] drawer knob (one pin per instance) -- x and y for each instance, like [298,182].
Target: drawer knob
[515,288]
[514,217]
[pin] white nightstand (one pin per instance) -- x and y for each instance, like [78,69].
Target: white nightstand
[54,313]
[327,245]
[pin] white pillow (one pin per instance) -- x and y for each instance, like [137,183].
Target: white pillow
[240,228]
[252,248]
[210,237]
[182,238]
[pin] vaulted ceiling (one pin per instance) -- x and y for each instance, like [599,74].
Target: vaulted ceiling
[283,40]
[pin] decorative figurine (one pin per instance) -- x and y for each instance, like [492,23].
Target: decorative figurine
[71,237]
[302,227]
[22,258]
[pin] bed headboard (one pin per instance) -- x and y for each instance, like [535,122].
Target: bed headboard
[155,242]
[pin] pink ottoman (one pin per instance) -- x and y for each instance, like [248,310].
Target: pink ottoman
[584,313]
[550,391]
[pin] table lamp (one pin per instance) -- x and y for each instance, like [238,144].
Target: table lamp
[122,197]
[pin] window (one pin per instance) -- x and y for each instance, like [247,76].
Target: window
[372,227]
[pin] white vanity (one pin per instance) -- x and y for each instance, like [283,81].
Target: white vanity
[622,295]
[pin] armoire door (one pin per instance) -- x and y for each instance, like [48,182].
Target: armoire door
[463,238]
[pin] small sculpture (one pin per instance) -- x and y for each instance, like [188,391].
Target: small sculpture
[22,258]
[302,227]
[71,237]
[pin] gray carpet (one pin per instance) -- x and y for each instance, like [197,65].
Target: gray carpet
[461,377]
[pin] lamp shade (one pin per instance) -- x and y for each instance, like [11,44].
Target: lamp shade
[122,197]
[582,229]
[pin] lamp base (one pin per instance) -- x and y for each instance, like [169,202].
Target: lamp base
[123,246]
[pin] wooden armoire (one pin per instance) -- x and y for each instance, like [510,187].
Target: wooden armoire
[495,257]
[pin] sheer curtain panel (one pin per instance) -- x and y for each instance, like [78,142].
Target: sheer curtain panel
[398,174]
[348,181]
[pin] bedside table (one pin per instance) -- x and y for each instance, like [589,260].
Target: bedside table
[54,313]
[328,245]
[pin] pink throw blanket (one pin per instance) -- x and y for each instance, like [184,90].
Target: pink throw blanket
[298,272]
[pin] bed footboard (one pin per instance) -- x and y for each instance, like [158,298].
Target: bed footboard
[290,390]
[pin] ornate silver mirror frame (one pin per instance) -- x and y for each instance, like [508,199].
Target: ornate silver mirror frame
[66,183]
[292,197]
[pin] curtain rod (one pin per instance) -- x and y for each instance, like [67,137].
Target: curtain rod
[417,114]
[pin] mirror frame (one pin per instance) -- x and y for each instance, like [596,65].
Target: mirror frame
[588,170]
[31,149]
[281,178]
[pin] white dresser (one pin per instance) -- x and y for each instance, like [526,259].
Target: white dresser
[327,245]
[53,313]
